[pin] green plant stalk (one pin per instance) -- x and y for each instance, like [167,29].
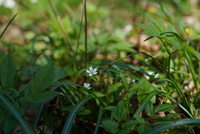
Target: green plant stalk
[17,116]
[180,93]
[8,25]
[169,58]
[72,115]
[172,124]
[86,45]
[181,106]
[191,67]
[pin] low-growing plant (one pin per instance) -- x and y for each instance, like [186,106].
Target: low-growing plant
[80,95]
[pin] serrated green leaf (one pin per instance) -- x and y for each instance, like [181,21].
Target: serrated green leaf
[120,112]
[142,128]
[150,30]
[43,78]
[113,88]
[144,88]
[128,126]
[110,126]
[160,26]
[163,108]
[170,115]
[7,72]
[41,97]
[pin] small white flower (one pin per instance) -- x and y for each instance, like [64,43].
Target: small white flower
[133,80]
[87,85]
[91,71]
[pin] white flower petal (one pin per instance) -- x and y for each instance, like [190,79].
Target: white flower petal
[91,68]
[95,69]
[88,71]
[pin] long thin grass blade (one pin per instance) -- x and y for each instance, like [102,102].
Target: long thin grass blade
[18,117]
[8,25]
[98,121]
[173,124]
[144,103]
[72,115]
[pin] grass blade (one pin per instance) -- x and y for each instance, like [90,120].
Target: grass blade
[98,120]
[18,117]
[72,115]
[173,124]
[144,103]
[8,25]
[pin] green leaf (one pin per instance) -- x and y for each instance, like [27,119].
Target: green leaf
[144,103]
[144,88]
[160,26]
[98,120]
[141,128]
[150,30]
[8,25]
[9,123]
[163,108]
[173,124]
[16,114]
[40,97]
[43,78]
[113,88]
[7,72]
[120,112]
[171,115]
[128,126]
[98,94]
[110,126]
[72,115]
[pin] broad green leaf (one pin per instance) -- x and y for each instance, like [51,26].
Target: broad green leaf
[141,128]
[144,102]
[144,88]
[160,26]
[43,78]
[120,112]
[113,88]
[110,108]
[110,126]
[7,72]
[170,115]
[139,119]
[9,123]
[40,97]
[98,94]
[72,115]
[150,30]
[149,109]
[121,46]
[128,126]
[163,108]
